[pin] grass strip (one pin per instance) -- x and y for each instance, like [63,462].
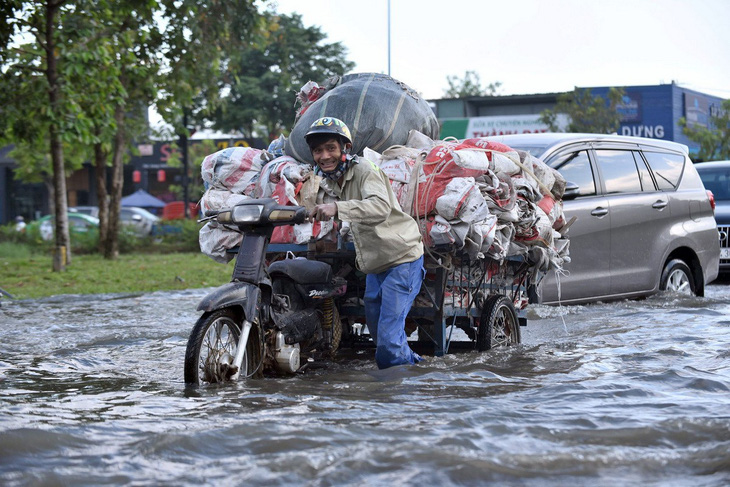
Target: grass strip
[32,276]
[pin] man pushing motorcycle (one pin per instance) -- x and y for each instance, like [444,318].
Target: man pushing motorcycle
[387,241]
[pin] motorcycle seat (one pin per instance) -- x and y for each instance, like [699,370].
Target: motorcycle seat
[303,271]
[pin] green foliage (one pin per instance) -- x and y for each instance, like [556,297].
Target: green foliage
[587,113]
[173,236]
[714,140]
[177,236]
[110,60]
[86,77]
[63,83]
[261,80]
[469,85]
[196,36]
[10,26]
[81,243]
[8,234]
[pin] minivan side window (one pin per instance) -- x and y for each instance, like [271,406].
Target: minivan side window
[667,168]
[623,171]
[576,168]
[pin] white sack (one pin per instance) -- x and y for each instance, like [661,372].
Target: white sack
[215,240]
[235,169]
[214,199]
[462,200]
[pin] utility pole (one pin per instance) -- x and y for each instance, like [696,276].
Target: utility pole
[388,37]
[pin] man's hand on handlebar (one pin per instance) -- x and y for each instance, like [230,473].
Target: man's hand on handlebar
[323,212]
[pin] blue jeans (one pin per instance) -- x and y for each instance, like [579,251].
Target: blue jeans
[388,298]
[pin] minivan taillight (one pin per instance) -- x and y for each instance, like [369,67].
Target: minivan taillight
[712,199]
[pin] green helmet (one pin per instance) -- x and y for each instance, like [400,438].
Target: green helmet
[329,125]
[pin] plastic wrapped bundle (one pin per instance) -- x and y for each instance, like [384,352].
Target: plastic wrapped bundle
[279,179]
[235,169]
[379,111]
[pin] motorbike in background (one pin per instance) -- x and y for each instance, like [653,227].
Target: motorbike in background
[269,317]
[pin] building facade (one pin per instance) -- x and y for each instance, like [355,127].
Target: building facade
[148,169]
[646,111]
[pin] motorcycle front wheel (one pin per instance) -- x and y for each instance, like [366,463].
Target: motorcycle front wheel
[212,348]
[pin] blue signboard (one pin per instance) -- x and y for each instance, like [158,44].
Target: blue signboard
[654,111]
[630,108]
[646,111]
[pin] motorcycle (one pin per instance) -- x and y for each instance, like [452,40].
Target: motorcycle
[269,318]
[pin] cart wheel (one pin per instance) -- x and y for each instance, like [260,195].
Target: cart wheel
[498,324]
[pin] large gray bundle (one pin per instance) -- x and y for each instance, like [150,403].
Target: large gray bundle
[379,110]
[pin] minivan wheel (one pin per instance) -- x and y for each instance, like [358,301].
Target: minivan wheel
[677,277]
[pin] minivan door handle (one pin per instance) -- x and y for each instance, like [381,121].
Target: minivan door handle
[599,212]
[660,204]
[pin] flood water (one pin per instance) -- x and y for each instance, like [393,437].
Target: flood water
[627,393]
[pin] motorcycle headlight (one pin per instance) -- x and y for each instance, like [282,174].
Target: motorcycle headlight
[246,213]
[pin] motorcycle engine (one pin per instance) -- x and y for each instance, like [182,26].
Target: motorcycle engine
[287,356]
[295,330]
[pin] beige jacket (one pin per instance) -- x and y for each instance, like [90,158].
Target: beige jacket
[383,234]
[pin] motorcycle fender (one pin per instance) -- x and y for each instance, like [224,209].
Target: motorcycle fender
[241,294]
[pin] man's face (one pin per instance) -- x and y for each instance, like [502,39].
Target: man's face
[327,155]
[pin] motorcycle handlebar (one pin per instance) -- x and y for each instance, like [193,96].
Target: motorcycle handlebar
[288,214]
[259,213]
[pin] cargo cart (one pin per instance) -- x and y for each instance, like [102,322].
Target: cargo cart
[464,303]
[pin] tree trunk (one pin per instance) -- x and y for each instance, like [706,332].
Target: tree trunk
[100,156]
[111,247]
[185,165]
[62,248]
[48,183]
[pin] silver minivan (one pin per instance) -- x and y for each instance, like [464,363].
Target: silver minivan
[644,221]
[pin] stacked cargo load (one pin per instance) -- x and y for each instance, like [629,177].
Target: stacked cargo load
[479,196]
[474,197]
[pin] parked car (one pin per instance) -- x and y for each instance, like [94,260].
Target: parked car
[86,210]
[77,223]
[644,221]
[139,220]
[716,177]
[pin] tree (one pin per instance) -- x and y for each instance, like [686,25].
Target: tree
[587,113]
[104,61]
[260,81]
[178,60]
[129,31]
[197,37]
[40,50]
[469,85]
[83,73]
[714,139]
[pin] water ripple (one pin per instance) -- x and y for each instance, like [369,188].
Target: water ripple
[634,392]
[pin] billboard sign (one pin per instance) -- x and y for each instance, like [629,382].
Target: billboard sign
[630,108]
[496,125]
[696,109]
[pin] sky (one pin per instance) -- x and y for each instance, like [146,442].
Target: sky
[532,46]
